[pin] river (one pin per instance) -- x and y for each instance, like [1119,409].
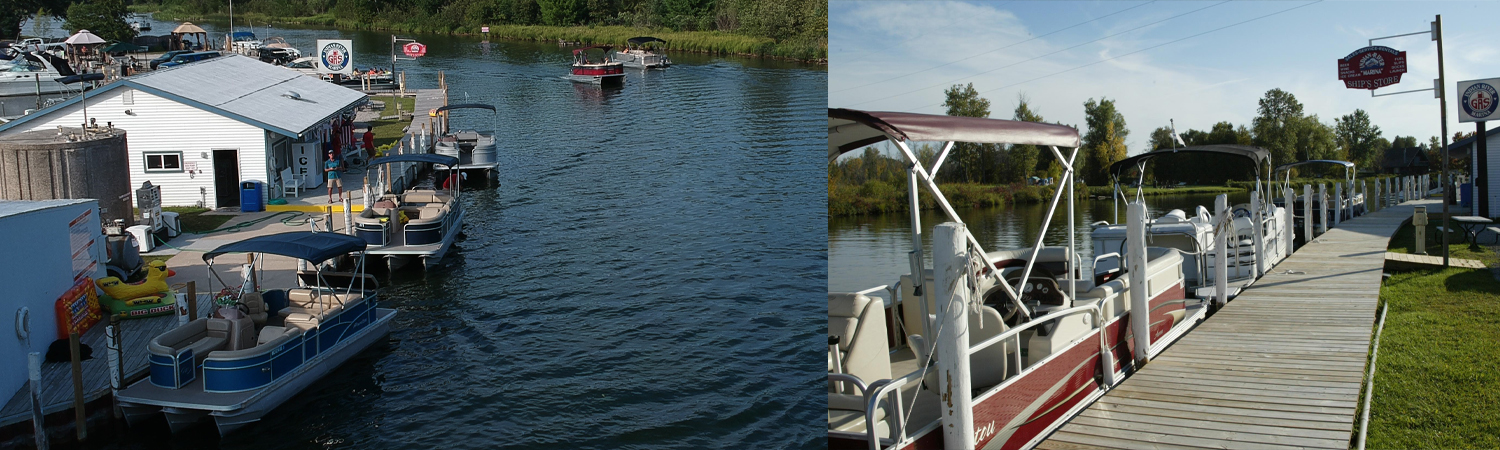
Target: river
[869,251]
[648,274]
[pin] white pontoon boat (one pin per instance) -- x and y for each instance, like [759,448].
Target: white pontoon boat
[475,150]
[641,53]
[1350,202]
[415,223]
[989,349]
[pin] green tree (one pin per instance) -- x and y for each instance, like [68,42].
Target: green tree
[1026,159]
[13,13]
[969,158]
[562,12]
[104,18]
[1104,143]
[1276,126]
[1358,139]
[1315,139]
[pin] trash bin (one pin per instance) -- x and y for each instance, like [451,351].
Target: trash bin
[250,196]
[172,222]
[143,237]
[1466,197]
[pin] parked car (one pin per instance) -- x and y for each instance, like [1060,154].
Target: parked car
[165,57]
[189,57]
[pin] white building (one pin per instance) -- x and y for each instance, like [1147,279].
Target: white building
[200,129]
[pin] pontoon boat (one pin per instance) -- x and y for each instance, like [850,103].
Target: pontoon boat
[602,71]
[1352,201]
[259,347]
[641,53]
[475,150]
[416,223]
[988,349]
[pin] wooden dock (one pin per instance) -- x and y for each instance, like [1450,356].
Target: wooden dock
[57,377]
[1280,366]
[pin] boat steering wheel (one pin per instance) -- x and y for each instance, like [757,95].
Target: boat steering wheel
[1040,287]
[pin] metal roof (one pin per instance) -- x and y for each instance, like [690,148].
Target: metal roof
[277,99]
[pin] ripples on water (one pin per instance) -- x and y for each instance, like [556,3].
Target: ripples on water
[649,274]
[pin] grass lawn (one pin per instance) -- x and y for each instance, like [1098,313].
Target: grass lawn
[388,131]
[1438,376]
[193,220]
[1404,242]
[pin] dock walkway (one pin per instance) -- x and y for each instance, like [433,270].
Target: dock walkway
[1280,366]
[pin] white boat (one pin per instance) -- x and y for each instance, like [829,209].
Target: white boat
[245,43]
[265,345]
[988,349]
[640,53]
[602,71]
[1350,203]
[35,73]
[1250,253]
[414,224]
[475,150]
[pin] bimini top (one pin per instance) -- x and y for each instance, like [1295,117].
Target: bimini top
[416,157]
[1347,165]
[1257,154]
[605,47]
[850,129]
[643,40]
[306,245]
[465,106]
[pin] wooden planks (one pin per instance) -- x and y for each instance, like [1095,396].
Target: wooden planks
[1279,367]
[57,377]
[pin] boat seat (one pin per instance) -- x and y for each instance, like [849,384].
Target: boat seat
[268,334]
[241,334]
[857,341]
[987,367]
[257,307]
[301,321]
[201,336]
[311,310]
[304,297]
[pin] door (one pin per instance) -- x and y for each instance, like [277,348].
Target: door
[227,178]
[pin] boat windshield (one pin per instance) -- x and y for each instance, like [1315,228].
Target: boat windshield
[27,66]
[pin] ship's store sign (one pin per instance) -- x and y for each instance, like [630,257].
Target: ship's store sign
[1372,68]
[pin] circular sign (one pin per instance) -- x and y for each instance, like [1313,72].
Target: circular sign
[1479,100]
[414,49]
[335,57]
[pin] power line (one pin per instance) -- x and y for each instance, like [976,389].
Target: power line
[1144,49]
[1038,57]
[993,50]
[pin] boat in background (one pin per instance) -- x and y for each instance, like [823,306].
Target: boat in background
[35,73]
[475,150]
[414,223]
[988,349]
[244,43]
[602,71]
[260,347]
[640,53]
[1353,204]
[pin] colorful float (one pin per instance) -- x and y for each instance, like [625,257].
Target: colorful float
[148,298]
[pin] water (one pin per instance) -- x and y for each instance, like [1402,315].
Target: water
[869,251]
[649,274]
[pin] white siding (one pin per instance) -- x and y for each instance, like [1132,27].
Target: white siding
[1492,160]
[160,124]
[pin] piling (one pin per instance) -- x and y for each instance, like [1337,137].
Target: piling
[116,370]
[78,400]
[1323,208]
[1307,228]
[192,288]
[1338,202]
[34,375]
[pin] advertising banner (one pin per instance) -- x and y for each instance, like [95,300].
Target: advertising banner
[1476,100]
[335,56]
[1372,68]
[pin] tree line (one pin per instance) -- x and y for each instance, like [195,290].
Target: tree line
[1280,126]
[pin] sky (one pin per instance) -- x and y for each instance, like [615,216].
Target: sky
[1195,62]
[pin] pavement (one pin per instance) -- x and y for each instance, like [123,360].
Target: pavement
[187,251]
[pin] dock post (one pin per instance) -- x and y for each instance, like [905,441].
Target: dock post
[1338,202]
[1135,263]
[192,305]
[34,376]
[1322,208]
[1287,232]
[1223,226]
[1257,228]
[950,264]
[349,215]
[112,340]
[183,315]
[78,415]
[1307,227]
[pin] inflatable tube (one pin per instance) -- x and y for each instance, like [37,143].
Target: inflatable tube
[138,309]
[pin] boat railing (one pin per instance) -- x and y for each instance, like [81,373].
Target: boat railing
[876,391]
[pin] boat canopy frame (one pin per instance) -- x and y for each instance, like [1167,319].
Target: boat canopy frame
[313,247]
[1259,156]
[1349,169]
[850,129]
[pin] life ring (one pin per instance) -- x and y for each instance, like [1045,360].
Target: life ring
[23,323]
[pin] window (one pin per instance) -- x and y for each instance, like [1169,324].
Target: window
[164,161]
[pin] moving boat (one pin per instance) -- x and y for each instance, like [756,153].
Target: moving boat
[603,71]
[989,349]
[1341,199]
[640,53]
[35,73]
[416,223]
[1251,249]
[260,347]
[475,150]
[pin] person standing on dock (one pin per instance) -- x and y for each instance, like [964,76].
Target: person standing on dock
[331,167]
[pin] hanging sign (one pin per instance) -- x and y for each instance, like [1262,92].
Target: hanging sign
[1476,100]
[334,56]
[414,49]
[1372,68]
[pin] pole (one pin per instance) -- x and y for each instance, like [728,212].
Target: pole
[192,288]
[34,377]
[1135,263]
[116,380]
[1307,222]
[950,269]
[78,415]
[1223,225]
[1323,208]
[1445,178]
